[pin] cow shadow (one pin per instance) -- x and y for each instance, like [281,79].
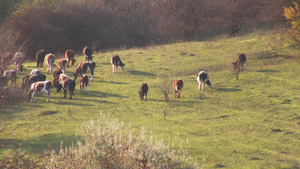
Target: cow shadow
[268,71]
[140,73]
[105,95]
[40,144]
[229,90]
[112,82]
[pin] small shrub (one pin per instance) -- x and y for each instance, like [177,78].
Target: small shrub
[10,95]
[165,87]
[108,143]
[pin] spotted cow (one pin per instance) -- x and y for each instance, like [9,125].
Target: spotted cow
[39,87]
[177,85]
[203,79]
[116,61]
[66,84]
[84,67]
[11,75]
[62,64]
[18,60]
[84,81]
[49,60]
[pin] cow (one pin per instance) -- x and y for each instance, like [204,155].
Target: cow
[87,53]
[116,61]
[69,55]
[56,73]
[11,75]
[203,79]
[49,60]
[39,87]
[177,85]
[66,84]
[143,91]
[35,72]
[85,67]
[62,64]
[29,79]
[40,56]
[6,58]
[84,80]
[18,60]
[238,64]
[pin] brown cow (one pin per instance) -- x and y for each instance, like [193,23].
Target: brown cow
[40,56]
[11,75]
[84,67]
[87,53]
[39,87]
[84,81]
[49,60]
[177,85]
[69,55]
[143,91]
[239,64]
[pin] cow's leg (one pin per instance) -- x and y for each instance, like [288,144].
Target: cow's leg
[32,96]
[92,73]
[65,93]
[178,94]
[199,86]
[146,96]
[86,86]
[48,93]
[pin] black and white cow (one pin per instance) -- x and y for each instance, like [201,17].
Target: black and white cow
[39,87]
[40,56]
[143,91]
[87,53]
[35,72]
[116,61]
[85,67]
[239,64]
[29,79]
[177,85]
[203,79]
[84,81]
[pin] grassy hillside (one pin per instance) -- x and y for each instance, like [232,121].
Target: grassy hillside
[252,122]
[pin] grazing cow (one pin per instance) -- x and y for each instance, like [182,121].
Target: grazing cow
[35,72]
[85,67]
[203,79]
[39,87]
[69,55]
[239,64]
[116,61]
[11,75]
[143,91]
[49,60]
[177,85]
[29,79]
[6,58]
[84,80]
[18,60]
[40,56]
[56,73]
[66,84]
[62,64]
[87,53]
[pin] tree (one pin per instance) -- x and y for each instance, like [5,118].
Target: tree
[292,14]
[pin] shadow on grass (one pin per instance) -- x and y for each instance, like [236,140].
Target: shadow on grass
[112,82]
[229,90]
[40,144]
[136,72]
[104,95]
[268,71]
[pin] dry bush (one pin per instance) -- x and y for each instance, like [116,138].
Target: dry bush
[11,95]
[165,87]
[108,143]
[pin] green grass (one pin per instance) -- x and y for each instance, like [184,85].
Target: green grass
[252,122]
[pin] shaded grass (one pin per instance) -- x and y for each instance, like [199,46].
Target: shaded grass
[252,122]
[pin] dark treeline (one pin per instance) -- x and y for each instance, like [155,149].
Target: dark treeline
[57,25]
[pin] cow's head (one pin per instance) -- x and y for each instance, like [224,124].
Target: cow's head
[122,66]
[208,83]
[73,61]
[141,95]
[236,64]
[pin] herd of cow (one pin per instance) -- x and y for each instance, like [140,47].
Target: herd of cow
[36,82]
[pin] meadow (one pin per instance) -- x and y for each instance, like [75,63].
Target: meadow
[252,122]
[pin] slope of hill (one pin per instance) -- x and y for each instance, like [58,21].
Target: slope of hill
[247,123]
